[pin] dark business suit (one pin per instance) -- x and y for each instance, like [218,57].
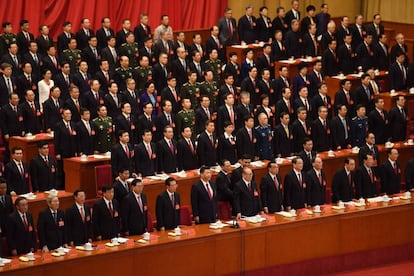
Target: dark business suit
[346,57]
[24,84]
[42,174]
[307,161]
[51,113]
[120,191]
[226,149]
[330,63]
[78,231]
[144,164]
[201,204]
[106,54]
[105,224]
[160,76]
[308,45]
[247,30]
[166,94]
[49,65]
[365,186]
[342,186]
[381,56]
[299,134]
[357,36]
[396,77]
[361,97]
[244,144]
[316,188]
[63,41]
[50,232]
[102,37]
[201,118]
[339,138]
[6,208]
[290,16]
[134,219]
[186,158]
[90,102]
[293,42]
[113,109]
[246,201]
[60,82]
[167,159]
[365,149]
[279,23]
[44,43]
[36,66]
[168,211]
[340,99]
[223,184]
[379,126]
[365,56]
[13,122]
[397,124]
[74,109]
[271,193]
[17,68]
[82,38]
[295,192]
[321,135]
[65,142]
[32,119]
[141,34]
[390,178]
[179,71]
[93,61]
[87,142]
[19,237]
[283,144]
[121,159]
[223,116]
[82,82]
[4,97]
[206,151]
[15,180]
[278,51]
[227,36]
[264,29]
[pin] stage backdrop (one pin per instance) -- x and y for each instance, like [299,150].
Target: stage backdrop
[184,14]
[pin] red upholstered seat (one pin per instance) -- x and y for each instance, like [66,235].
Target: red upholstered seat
[224,210]
[103,176]
[150,223]
[185,214]
[328,195]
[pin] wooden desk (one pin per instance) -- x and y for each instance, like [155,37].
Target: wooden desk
[334,83]
[81,174]
[252,248]
[204,252]
[293,66]
[240,51]
[29,145]
[39,203]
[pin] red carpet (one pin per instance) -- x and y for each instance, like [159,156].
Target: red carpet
[400,269]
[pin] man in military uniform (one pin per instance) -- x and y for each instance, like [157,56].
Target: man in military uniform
[191,90]
[185,118]
[359,127]
[104,130]
[214,64]
[123,73]
[264,136]
[130,49]
[143,73]
[210,89]
[6,38]
[72,55]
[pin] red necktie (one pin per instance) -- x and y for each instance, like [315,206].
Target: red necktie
[172,200]
[231,113]
[371,176]
[300,180]
[349,179]
[140,203]
[276,183]
[172,147]
[382,115]
[68,128]
[250,135]
[77,105]
[127,151]
[395,168]
[320,178]
[33,108]
[25,221]
[288,105]
[211,140]
[149,151]
[82,214]
[210,195]
[110,209]
[190,144]
[348,97]
[21,169]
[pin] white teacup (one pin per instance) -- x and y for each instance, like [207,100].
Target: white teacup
[293,212]
[177,230]
[317,208]
[331,153]
[84,157]
[410,141]
[362,201]
[88,246]
[146,236]
[407,194]
[30,256]
[61,250]
[114,241]
[341,204]
[1,262]
[385,198]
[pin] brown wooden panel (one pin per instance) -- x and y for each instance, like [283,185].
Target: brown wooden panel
[29,146]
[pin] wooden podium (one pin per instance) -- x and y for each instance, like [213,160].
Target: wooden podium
[29,145]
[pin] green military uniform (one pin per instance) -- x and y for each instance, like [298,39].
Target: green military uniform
[5,40]
[192,92]
[73,57]
[185,118]
[104,133]
[121,75]
[143,74]
[131,51]
[215,66]
[210,89]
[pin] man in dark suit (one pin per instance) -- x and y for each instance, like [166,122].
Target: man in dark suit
[358,31]
[179,68]
[346,56]
[160,72]
[146,162]
[134,210]
[246,196]
[186,151]
[34,58]
[142,31]
[343,30]
[226,112]
[78,220]
[44,40]
[106,215]
[365,179]
[398,120]
[121,187]
[271,189]
[283,137]
[30,111]
[399,48]
[52,108]
[310,44]
[213,42]
[315,77]
[328,36]
[376,29]
[21,237]
[307,154]
[84,34]
[295,186]
[316,185]
[364,94]
[203,113]
[65,37]
[321,99]
[284,104]
[391,174]
[92,98]
[43,169]
[206,146]
[247,26]
[26,81]
[103,33]
[341,130]
[167,152]
[6,204]
[293,40]
[330,61]
[398,75]
[16,173]
[345,96]
[92,55]
[122,34]
[171,94]
[168,206]
[82,78]
[279,22]
[365,54]
[378,122]
[223,184]
[51,226]
[126,121]
[245,138]
[13,58]
[321,130]
[204,198]
[293,13]
[227,28]
[122,154]
[110,53]
[7,83]
[64,80]
[370,148]
[381,53]
[113,100]
[343,182]
[166,117]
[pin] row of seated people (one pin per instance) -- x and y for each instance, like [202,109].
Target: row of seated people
[123,207]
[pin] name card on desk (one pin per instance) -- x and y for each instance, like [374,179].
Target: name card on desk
[189,232]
